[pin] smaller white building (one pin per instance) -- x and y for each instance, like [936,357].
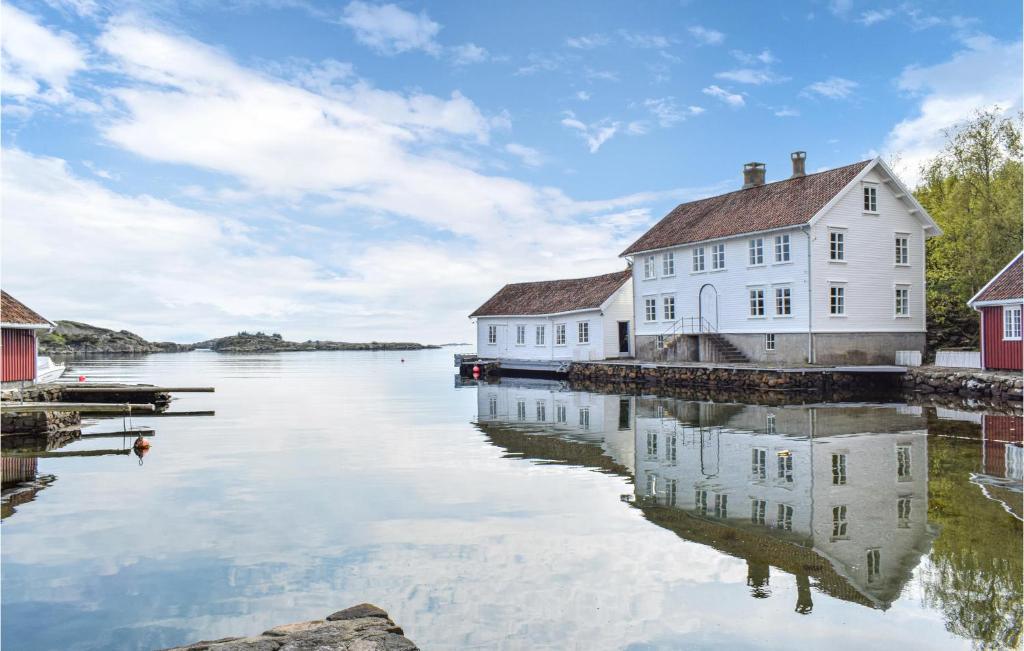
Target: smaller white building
[571,319]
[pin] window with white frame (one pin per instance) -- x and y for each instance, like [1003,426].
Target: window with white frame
[903,511]
[650,309]
[583,332]
[539,335]
[700,501]
[542,411]
[520,410]
[559,334]
[784,517]
[560,413]
[903,463]
[585,417]
[837,300]
[770,424]
[492,405]
[836,246]
[756,249]
[902,249]
[757,509]
[492,334]
[758,463]
[783,301]
[520,335]
[769,341]
[757,302]
[902,300]
[782,248]
[784,461]
[668,264]
[840,524]
[652,444]
[668,308]
[671,491]
[718,256]
[874,565]
[648,267]
[698,259]
[721,505]
[1011,322]
[870,197]
[838,469]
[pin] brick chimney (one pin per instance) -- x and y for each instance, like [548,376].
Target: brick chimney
[753,175]
[799,158]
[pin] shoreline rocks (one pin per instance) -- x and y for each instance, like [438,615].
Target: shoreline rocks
[364,627]
[965,383]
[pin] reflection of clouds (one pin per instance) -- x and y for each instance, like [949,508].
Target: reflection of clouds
[255,518]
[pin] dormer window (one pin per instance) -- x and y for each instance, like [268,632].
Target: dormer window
[870,197]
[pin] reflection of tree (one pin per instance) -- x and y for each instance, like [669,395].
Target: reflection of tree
[976,567]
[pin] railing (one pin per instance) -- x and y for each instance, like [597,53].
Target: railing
[666,341]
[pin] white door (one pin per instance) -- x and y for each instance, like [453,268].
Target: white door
[709,305]
[503,343]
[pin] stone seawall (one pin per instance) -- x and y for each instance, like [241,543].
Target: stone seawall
[360,628]
[966,383]
[815,383]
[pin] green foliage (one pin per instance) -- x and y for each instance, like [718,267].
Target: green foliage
[973,190]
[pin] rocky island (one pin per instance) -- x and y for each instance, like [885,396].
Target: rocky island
[73,337]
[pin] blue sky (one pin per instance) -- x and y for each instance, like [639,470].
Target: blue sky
[359,170]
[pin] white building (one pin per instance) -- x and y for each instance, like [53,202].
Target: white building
[573,319]
[825,268]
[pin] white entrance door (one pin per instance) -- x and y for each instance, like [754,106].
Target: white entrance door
[709,305]
[503,343]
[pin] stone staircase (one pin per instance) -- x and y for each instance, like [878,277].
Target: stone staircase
[725,351]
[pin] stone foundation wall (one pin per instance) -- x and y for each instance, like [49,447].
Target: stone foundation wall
[790,348]
[864,347]
[966,383]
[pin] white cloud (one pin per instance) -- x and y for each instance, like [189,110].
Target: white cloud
[751,76]
[468,53]
[595,134]
[644,40]
[37,62]
[764,56]
[950,93]
[668,113]
[833,88]
[540,62]
[840,7]
[330,145]
[786,112]
[528,155]
[732,99]
[601,75]
[587,42]
[583,96]
[638,128]
[705,36]
[389,29]
[872,16]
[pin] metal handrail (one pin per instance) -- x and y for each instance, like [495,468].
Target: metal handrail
[693,325]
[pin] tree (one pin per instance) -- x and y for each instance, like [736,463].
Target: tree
[973,189]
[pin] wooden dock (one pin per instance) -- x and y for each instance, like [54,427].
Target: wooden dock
[81,407]
[84,387]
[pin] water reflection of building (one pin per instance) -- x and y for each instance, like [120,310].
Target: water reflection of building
[849,483]
[21,482]
[546,407]
[835,495]
[1002,461]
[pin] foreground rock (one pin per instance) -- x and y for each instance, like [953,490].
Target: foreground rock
[77,337]
[360,628]
[258,342]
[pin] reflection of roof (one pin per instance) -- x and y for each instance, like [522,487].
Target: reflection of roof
[553,296]
[773,205]
[757,547]
[14,311]
[546,446]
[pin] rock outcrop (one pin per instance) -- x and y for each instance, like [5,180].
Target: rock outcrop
[77,337]
[364,628]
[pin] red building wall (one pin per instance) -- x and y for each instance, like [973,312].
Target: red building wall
[998,431]
[19,355]
[998,354]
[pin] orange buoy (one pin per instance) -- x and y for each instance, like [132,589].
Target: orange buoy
[141,444]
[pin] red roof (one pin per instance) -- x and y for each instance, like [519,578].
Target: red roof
[774,205]
[553,296]
[14,311]
[1008,284]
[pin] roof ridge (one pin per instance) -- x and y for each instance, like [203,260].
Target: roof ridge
[560,280]
[792,178]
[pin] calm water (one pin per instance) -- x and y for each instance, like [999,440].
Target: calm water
[518,516]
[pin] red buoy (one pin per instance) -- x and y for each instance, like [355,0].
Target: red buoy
[81,378]
[476,369]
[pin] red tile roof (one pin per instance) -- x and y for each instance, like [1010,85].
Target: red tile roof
[14,311]
[553,296]
[1008,284]
[774,205]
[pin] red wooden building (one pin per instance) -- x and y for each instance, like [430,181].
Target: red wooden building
[1000,302]
[19,327]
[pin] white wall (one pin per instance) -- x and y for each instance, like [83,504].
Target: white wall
[731,284]
[603,332]
[870,273]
